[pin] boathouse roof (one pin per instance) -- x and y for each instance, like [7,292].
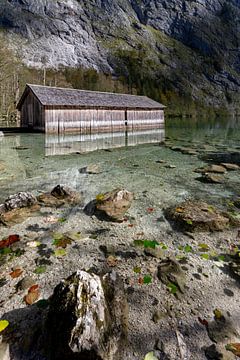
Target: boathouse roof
[64,97]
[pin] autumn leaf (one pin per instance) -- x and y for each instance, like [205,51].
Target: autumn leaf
[203,321]
[62,242]
[172,288]
[234,348]
[16,273]
[3,325]
[205,256]
[188,249]
[32,295]
[203,247]
[218,314]
[140,281]
[147,279]
[60,252]
[40,270]
[9,241]
[179,210]
[150,356]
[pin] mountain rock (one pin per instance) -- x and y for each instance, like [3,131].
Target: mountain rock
[194,44]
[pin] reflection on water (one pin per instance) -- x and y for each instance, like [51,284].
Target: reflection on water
[80,143]
[26,163]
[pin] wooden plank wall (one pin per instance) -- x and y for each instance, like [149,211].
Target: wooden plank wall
[88,121]
[32,115]
[145,119]
[84,121]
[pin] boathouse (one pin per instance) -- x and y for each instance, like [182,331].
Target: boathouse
[59,110]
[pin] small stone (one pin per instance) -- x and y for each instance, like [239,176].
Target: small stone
[212,169]
[212,353]
[156,252]
[230,166]
[2,166]
[4,351]
[157,316]
[169,271]
[212,178]
[59,196]
[20,200]
[25,283]
[90,169]
[170,166]
[114,204]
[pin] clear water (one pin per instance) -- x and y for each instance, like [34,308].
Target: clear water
[35,162]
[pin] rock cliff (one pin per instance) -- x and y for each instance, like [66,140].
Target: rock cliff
[193,44]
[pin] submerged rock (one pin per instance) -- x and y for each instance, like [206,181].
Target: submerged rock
[198,216]
[113,205]
[17,208]
[20,200]
[59,196]
[2,165]
[211,178]
[88,317]
[212,169]
[230,166]
[90,169]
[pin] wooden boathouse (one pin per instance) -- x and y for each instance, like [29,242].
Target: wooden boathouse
[59,110]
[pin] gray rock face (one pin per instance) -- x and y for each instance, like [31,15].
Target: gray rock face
[184,37]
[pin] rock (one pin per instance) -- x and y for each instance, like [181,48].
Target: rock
[198,216]
[157,316]
[4,351]
[59,196]
[213,353]
[25,283]
[236,203]
[88,317]
[113,204]
[235,264]
[170,166]
[221,329]
[230,166]
[20,200]
[211,178]
[90,169]
[2,166]
[17,216]
[169,271]
[212,169]
[223,157]
[156,252]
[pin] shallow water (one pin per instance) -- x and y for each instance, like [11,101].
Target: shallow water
[36,162]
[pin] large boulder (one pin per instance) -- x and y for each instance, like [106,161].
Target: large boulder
[88,317]
[59,196]
[197,216]
[111,205]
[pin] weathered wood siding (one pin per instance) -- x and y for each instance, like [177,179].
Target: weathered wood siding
[144,119]
[87,121]
[32,115]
